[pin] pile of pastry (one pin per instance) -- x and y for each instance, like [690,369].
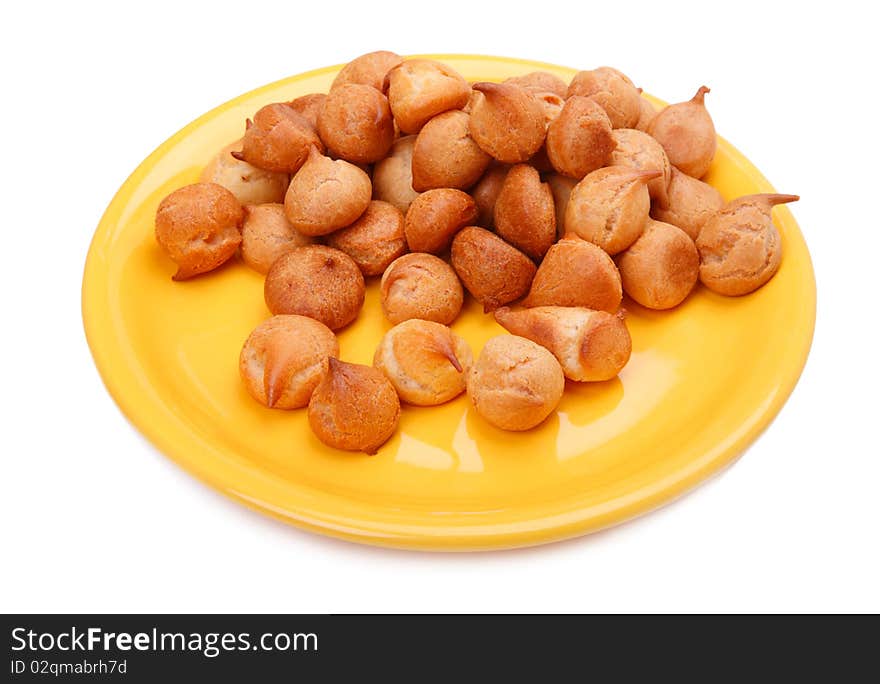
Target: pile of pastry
[543,200]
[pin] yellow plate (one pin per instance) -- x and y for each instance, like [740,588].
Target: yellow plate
[703,382]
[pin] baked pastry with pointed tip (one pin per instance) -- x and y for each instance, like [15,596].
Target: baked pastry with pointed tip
[575,272]
[419,89]
[740,247]
[374,240]
[425,361]
[369,69]
[249,184]
[690,203]
[610,206]
[525,215]
[638,150]
[392,176]
[435,216]
[266,234]
[422,286]
[199,227]
[354,407]
[278,139]
[445,155]
[687,134]
[514,383]
[326,195]
[507,122]
[589,345]
[284,358]
[613,91]
[580,139]
[660,269]
[309,106]
[494,272]
[355,123]
[316,281]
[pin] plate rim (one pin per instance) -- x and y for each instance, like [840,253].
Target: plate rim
[109,361]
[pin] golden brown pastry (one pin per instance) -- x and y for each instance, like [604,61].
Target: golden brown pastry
[283,360]
[507,122]
[690,203]
[354,407]
[355,123]
[740,248]
[316,281]
[660,269]
[445,155]
[687,134]
[561,187]
[591,346]
[392,176]
[419,89]
[485,193]
[420,286]
[639,150]
[435,216]
[326,195]
[369,69]
[515,384]
[552,105]
[249,184]
[579,140]
[425,361]
[576,273]
[266,234]
[609,207]
[647,113]
[198,226]
[374,240]
[494,272]
[540,82]
[309,106]
[613,91]
[278,139]
[524,212]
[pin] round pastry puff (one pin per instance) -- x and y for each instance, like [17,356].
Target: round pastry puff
[284,358]
[425,361]
[515,383]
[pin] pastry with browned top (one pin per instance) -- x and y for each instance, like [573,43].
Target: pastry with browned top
[392,176]
[316,281]
[589,345]
[419,89]
[249,184]
[445,155]
[580,139]
[525,215]
[507,121]
[354,407]
[740,247]
[686,132]
[355,123]
[326,195]
[284,358]
[690,203]
[422,286]
[425,361]
[374,240]
[369,69]
[278,139]
[610,206]
[514,383]
[660,269]
[611,90]
[435,216]
[266,234]
[199,227]
[494,272]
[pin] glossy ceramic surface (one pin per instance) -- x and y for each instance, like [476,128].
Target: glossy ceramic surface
[704,380]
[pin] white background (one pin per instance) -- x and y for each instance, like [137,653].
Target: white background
[95,519]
